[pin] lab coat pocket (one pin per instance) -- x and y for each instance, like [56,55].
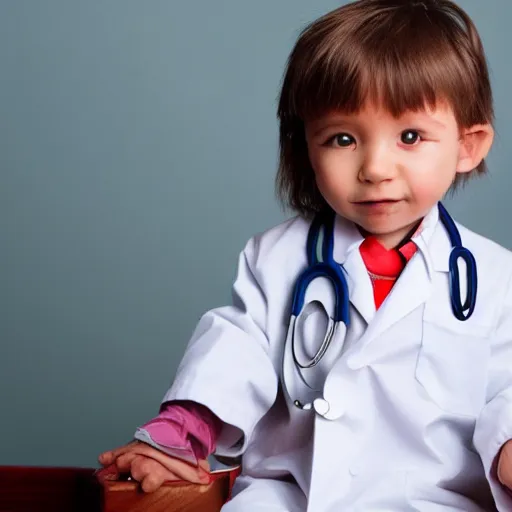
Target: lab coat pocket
[452,368]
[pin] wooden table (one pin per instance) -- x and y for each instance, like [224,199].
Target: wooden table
[44,489]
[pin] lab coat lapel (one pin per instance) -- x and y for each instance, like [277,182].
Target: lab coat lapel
[347,240]
[414,286]
[360,286]
[411,290]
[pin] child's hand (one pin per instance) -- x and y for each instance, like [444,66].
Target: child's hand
[152,467]
[505,465]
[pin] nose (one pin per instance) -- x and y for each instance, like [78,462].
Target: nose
[377,165]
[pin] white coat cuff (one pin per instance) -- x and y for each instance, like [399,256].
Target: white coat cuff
[493,430]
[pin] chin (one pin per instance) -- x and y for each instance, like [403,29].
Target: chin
[384,229]
[379,228]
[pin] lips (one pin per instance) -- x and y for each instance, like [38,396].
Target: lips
[375,201]
[377,206]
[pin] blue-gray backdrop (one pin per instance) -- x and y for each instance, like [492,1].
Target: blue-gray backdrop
[137,155]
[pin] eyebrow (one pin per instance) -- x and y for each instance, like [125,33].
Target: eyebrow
[424,118]
[329,125]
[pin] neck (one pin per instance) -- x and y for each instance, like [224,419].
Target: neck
[396,239]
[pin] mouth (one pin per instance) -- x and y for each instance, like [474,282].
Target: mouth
[370,202]
[377,206]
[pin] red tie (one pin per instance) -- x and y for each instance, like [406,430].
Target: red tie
[384,265]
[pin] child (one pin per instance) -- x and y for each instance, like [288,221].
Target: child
[385,105]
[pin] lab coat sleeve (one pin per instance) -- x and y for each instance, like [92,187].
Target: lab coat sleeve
[226,366]
[494,424]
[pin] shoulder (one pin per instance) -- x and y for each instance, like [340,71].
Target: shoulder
[490,255]
[276,256]
[280,241]
[494,267]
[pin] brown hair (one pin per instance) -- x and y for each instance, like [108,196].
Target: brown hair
[402,54]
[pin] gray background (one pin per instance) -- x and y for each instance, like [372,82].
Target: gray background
[137,155]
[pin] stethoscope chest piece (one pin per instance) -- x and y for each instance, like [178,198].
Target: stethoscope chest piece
[322,407]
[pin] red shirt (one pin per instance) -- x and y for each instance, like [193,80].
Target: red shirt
[384,265]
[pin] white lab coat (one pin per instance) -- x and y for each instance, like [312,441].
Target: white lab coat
[425,399]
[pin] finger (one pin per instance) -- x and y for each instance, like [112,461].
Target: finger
[181,469]
[142,466]
[108,457]
[204,465]
[153,481]
[150,473]
[184,470]
[107,473]
[124,462]
[169,476]
[125,448]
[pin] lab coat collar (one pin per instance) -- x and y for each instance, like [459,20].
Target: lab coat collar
[432,255]
[347,239]
[431,239]
[433,242]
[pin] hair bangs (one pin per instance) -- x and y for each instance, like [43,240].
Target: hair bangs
[415,69]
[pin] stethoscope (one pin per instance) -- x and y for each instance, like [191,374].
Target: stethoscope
[321,264]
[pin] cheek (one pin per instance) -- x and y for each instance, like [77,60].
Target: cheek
[431,175]
[332,169]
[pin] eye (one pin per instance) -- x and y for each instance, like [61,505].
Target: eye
[343,140]
[410,137]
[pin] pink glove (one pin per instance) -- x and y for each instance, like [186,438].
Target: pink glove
[185,430]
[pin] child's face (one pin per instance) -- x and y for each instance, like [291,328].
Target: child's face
[382,173]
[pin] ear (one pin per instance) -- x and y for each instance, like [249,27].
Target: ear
[475,144]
